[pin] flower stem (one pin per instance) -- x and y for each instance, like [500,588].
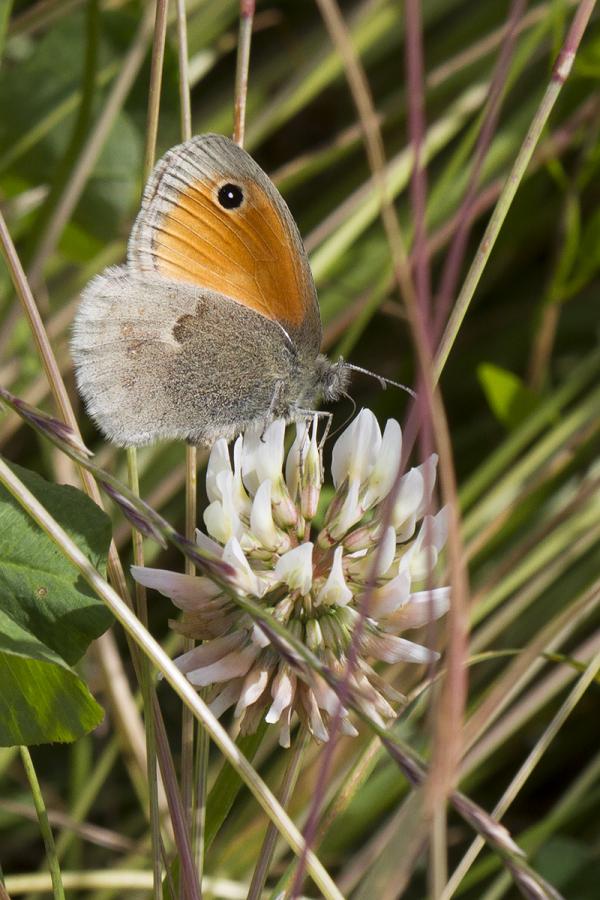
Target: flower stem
[417,126]
[147,692]
[193,770]
[489,120]
[40,808]
[156,68]
[199,794]
[185,109]
[154,87]
[241,73]
[287,788]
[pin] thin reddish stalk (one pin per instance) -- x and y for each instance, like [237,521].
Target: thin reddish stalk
[441,776]
[416,129]
[369,123]
[428,416]
[363,101]
[464,218]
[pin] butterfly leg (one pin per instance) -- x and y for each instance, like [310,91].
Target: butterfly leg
[305,436]
[329,417]
[275,401]
[315,414]
[320,413]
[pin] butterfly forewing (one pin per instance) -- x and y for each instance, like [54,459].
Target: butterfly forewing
[251,253]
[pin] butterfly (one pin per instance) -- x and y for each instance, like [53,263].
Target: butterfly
[212,326]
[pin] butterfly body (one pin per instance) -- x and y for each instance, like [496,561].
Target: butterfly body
[213,324]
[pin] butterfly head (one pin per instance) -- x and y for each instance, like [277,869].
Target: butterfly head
[332,378]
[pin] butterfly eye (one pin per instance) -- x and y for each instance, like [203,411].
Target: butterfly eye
[230,196]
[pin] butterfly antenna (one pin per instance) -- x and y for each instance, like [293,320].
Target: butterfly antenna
[382,381]
[348,418]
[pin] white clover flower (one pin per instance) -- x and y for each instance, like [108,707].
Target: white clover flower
[312,580]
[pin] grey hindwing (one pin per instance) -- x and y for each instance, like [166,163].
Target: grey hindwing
[156,359]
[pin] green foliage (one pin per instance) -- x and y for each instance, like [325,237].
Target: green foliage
[42,700]
[509,398]
[48,616]
[41,106]
[228,785]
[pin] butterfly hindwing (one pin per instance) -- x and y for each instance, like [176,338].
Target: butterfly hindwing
[164,359]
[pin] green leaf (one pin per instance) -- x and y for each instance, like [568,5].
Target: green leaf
[41,699]
[561,859]
[39,589]
[41,703]
[48,615]
[587,263]
[5,10]
[228,785]
[510,400]
[563,659]
[569,250]
[40,96]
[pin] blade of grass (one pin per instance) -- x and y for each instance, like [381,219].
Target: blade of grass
[190,884]
[547,412]
[542,454]
[118,881]
[529,706]
[571,804]
[362,207]
[41,14]
[523,669]
[265,858]
[5,11]
[371,21]
[572,552]
[46,831]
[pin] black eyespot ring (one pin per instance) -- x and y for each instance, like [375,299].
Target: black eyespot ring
[230,196]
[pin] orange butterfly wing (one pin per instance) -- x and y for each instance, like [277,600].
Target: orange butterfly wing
[252,253]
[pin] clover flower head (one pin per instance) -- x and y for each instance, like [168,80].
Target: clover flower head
[312,580]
